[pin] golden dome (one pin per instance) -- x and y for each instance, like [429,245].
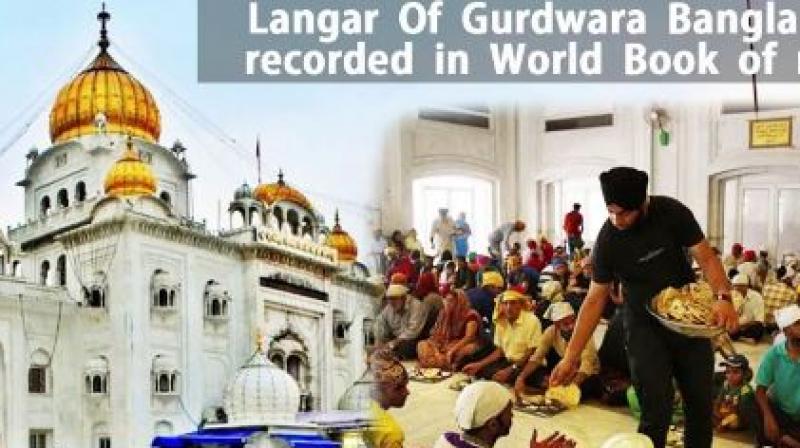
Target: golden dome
[104,87]
[129,176]
[340,240]
[279,191]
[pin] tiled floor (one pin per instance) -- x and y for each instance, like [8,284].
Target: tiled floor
[429,412]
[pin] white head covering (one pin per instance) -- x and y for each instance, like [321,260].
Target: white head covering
[628,440]
[741,280]
[551,288]
[785,317]
[558,311]
[479,402]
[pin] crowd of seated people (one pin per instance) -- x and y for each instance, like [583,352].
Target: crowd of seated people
[509,321]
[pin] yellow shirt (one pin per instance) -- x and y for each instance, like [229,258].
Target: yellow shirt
[518,338]
[385,432]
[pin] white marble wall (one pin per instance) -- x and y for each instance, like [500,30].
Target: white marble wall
[522,158]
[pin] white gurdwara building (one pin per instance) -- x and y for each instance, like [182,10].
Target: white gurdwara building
[122,319]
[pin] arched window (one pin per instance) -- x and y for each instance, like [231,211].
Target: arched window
[216,301]
[163,383]
[96,376]
[97,385]
[37,380]
[163,428]
[369,333]
[15,270]
[294,221]
[237,218]
[308,229]
[278,213]
[44,273]
[165,197]
[255,217]
[294,366]
[44,207]
[63,198]
[97,298]
[37,372]
[163,298]
[61,270]
[164,290]
[80,192]
[277,359]
[165,375]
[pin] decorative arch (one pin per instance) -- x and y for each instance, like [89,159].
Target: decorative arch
[164,291]
[62,198]
[277,212]
[293,219]
[163,428]
[44,273]
[165,197]
[39,372]
[80,191]
[44,207]
[61,270]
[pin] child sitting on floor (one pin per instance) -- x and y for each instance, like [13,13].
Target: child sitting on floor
[734,401]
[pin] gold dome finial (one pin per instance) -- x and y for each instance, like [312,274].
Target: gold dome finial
[280,191]
[129,176]
[259,340]
[340,240]
[104,87]
[103,16]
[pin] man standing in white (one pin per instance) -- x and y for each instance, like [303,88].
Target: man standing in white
[442,231]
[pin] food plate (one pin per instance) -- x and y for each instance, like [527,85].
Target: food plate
[540,406]
[461,383]
[691,304]
[429,375]
[569,396]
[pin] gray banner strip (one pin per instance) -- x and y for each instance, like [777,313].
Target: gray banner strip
[496,41]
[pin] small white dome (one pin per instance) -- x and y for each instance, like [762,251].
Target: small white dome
[358,396]
[261,393]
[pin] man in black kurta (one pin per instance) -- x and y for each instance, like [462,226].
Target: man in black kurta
[646,244]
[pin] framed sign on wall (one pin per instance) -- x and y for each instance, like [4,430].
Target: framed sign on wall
[771,133]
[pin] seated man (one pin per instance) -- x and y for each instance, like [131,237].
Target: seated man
[516,335]
[482,300]
[389,390]
[551,349]
[402,322]
[778,419]
[777,295]
[522,275]
[484,414]
[751,310]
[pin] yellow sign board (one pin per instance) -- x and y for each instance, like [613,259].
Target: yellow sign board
[771,133]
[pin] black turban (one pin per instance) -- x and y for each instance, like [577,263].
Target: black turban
[624,186]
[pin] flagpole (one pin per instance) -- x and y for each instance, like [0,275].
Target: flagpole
[258,157]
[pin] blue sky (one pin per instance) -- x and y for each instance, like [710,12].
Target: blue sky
[327,138]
